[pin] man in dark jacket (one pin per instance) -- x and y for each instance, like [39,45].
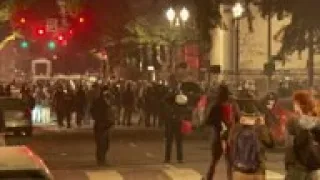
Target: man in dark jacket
[102,116]
[177,111]
[80,105]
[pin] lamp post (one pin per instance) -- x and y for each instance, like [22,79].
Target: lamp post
[237,12]
[176,18]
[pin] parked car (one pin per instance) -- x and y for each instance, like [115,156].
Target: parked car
[15,116]
[20,163]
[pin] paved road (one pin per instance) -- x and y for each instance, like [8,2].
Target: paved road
[134,155]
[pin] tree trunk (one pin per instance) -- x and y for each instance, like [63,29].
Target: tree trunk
[310,62]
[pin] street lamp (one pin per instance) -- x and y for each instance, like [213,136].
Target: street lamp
[237,12]
[184,14]
[176,17]
[171,14]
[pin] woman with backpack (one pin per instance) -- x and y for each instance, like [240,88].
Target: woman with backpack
[302,160]
[248,140]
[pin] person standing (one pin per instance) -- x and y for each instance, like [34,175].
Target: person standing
[302,158]
[128,102]
[59,105]
[248,141]
[69,105]
[80,105]
[178,111]
[102,115]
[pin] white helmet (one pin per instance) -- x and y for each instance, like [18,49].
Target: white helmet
[181,99]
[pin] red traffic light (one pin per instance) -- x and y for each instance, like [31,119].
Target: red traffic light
[23,20]
[81,19]
[40,31]
[60,37]
[70,32]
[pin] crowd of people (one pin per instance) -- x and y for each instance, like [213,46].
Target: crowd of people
[241,137]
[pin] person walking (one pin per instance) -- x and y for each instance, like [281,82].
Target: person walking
[222,117]
[102,115]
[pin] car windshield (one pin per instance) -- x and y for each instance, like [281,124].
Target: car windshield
[22,175]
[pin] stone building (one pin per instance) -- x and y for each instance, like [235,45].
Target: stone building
[253,45]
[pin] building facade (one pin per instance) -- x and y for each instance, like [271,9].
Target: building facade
[253,45]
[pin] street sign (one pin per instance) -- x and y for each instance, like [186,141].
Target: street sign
[52,25]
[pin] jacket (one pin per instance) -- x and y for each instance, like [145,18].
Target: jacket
[294,126]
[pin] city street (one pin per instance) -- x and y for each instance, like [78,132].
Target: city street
[135,154]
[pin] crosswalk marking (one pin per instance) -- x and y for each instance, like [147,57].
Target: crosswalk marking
[169,172]
[104,175]
[174,173]
[274,175]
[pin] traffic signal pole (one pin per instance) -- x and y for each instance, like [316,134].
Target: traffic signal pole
[269,43]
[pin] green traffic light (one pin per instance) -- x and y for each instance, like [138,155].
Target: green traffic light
[24,44]
[51,45]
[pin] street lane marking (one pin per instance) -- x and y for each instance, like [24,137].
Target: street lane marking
[174,173]
[104,175]
[132,144]
[272,175]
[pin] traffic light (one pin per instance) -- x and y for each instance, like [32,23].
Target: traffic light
[24,44]
[40,31]
[22,20]
[52,45]
[61,38]
[70,32]
[81,20]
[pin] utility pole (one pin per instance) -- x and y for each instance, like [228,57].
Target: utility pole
[269,41]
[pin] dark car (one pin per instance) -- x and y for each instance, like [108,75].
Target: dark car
[15,116]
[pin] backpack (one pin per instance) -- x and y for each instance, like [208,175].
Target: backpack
[245,151]
[307,148]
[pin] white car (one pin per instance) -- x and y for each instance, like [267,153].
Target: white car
[20,163]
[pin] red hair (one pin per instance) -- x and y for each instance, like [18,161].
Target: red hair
[305,101]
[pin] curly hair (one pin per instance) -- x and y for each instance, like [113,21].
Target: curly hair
[305,101]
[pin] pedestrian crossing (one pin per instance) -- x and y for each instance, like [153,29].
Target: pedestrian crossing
[103,175]
[165,172]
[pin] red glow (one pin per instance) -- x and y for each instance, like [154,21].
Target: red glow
[81,20]
[40,31]
[23,20]
[71,32]
[60,37]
